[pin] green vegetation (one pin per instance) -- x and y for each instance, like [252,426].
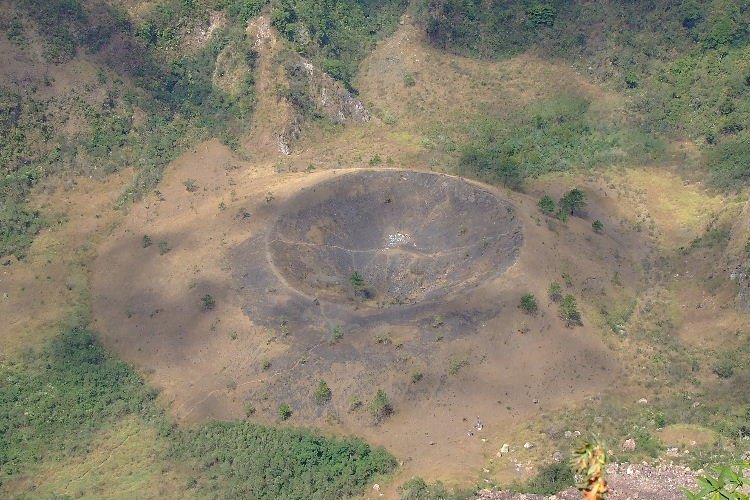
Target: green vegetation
[53,402]
[380,407]
[550,479]
[528,304]
[173,88]
[551,136]
[417,488]
[597,226]
[243,460]
[357,280]
[569,311]
[686,66]
[728,483]
[573,201]
[285,411]
[208,302]
[555,292]
[322,393]
[546,204]
[336,34]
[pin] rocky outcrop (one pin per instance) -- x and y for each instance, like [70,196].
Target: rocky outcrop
[626,482]
[293,91]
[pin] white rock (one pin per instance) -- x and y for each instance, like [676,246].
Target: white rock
[528,445]
[643,401]
[505,449]
[376,487]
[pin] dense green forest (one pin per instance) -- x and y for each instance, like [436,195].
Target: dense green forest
[53,403]
[685,65]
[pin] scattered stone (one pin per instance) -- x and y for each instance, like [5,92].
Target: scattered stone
[376,487]
[528,445]
[558,456]
[505,449]
[643,401]
[432,443]
[568,434]
[629,444]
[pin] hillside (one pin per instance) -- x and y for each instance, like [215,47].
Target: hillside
[297,249]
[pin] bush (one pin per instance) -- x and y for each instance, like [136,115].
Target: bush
[285,411]
[546,204]
[322,393]
[555,292]
[550,479]
[380,407]
[569,311]
[528,304]
[417,488]
[597,226]
[208,302]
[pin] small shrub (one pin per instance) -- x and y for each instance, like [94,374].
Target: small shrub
[375,160]
[597,226]
[724,368]
[555,292]
[409,80]
[190,185]
[357,280]
[455,365]
[567,279]
[249,409]
[550,479]
[569,311]
[528,304]
[355,403]
[208,302]
[336,334]
[546,204]
[266,364]
[416,376]
[147,242]
[163,247]
[285,411]
[322,393]
[380,407]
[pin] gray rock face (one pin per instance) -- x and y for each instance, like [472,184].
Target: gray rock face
[313,92]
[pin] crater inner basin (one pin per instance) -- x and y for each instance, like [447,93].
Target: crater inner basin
[408,236]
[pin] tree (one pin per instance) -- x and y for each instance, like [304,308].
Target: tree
[380,407]
[573,201]
[528,304]
[569,311]
[546,204]
[322,393]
